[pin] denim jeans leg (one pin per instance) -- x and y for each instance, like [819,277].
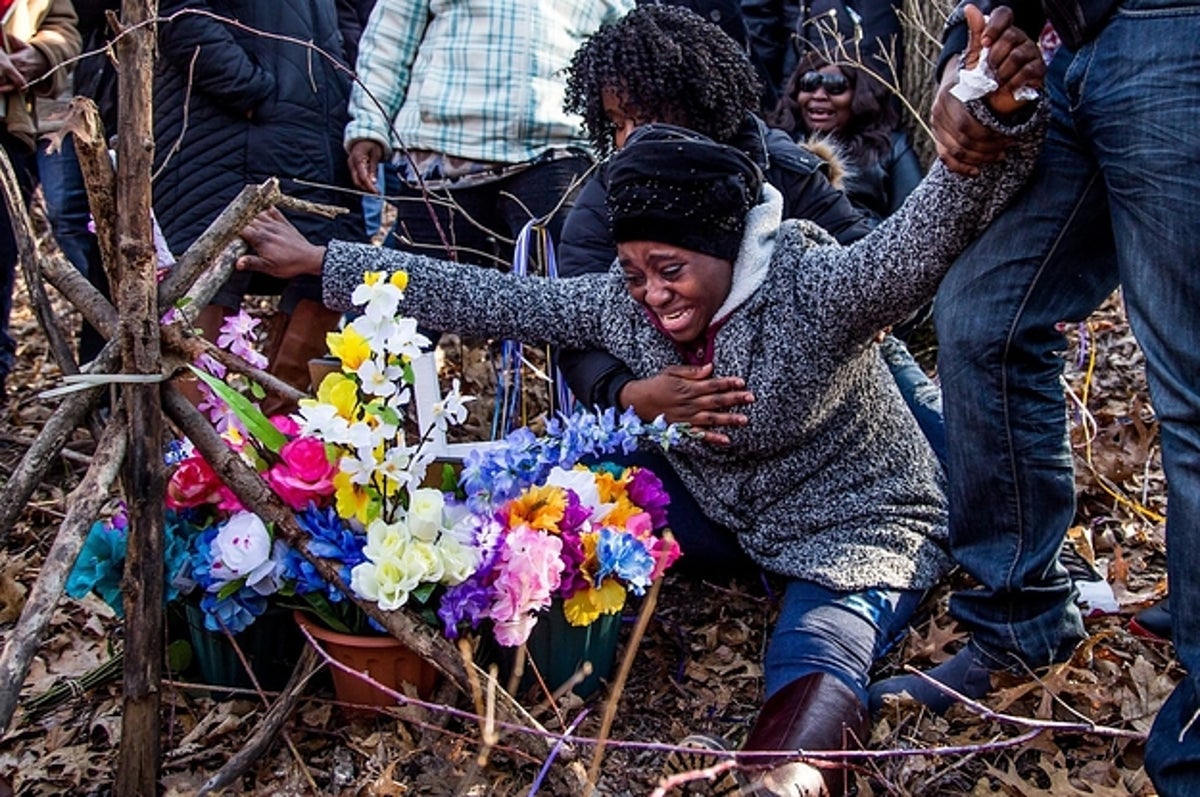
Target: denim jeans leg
[70,216]
[921,394]
[839,633]
[1047,259]
[1141,115]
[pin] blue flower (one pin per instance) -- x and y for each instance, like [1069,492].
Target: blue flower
[235,612]
[624,556]
[100,565]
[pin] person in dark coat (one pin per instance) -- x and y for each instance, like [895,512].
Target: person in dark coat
[233,107]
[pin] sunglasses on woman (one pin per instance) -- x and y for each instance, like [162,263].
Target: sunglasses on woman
[834,83]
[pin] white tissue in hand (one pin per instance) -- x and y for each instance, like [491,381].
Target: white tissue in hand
[975,82]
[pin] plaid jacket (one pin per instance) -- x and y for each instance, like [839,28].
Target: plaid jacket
[475,79]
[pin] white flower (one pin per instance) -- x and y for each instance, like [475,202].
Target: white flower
[374,329]
[364,437]
[458,561]
[423,560]
[452,409]
[396,466]
[241,546]
[377,378]
[269,577]
[322,420]
[386,540]
[381,582]
[425,513]
[405,341]
[379,297]
[359,470]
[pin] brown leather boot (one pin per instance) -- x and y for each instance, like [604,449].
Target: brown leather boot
[815,712]
[302,339]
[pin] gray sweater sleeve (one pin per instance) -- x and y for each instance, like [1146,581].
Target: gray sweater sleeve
[882,278]
[468,299]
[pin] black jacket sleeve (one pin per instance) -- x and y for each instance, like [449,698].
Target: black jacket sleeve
[807,193]
[595,377]
[903,171]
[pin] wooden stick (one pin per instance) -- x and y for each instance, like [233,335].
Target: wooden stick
[270,726]
[99,177]
[614,697]
[81,293]
[83,505]
[226,227]
[50,441]
[144,478]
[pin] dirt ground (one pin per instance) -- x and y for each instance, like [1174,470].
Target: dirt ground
[697,670]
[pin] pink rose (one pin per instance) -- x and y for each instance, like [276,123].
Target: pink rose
[194,483]
[304,474]
[285,424]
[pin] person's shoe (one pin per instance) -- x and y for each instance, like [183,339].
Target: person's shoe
[1153,622]
[968,673]
[727,784]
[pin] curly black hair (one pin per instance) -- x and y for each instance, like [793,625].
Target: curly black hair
[873,116]
[668,64]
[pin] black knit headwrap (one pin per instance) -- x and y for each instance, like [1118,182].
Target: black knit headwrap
[673,186]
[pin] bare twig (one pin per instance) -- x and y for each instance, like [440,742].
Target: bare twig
[618,686]
[271,724]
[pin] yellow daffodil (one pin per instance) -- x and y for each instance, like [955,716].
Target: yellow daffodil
[350,347]
[340,392]
[352,500]
[399,279]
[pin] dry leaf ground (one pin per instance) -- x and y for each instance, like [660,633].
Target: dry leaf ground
[697,670]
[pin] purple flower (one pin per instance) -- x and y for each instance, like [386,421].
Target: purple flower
[646,490]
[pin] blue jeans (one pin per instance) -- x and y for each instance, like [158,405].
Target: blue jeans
[839,633]
[921,394]
[69,214]
[1115,198]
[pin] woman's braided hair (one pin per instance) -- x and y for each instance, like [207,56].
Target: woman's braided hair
[668,64]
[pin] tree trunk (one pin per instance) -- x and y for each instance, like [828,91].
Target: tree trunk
[137,304]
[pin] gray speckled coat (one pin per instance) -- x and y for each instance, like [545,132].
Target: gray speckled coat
[831,480]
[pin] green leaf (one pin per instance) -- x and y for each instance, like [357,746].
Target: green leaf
[251,416]
[257,391]
[320,607]
[449,479]
[230,588]
[423,591]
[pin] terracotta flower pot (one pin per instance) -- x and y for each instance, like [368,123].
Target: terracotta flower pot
[384,658]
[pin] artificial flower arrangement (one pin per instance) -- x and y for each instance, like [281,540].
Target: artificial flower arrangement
[525,526]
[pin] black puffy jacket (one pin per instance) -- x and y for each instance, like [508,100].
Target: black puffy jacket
[256,107]
[596,377]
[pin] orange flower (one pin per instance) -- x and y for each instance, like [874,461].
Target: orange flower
[612,488]
[539,507]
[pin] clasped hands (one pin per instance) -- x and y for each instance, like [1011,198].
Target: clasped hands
[964,144]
